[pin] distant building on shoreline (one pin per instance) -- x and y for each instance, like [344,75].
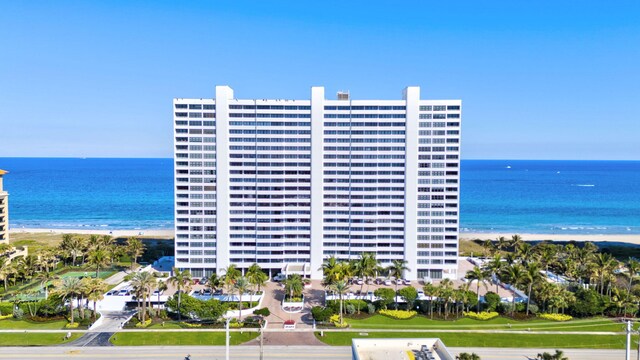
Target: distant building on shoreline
[288,183]
[4,211]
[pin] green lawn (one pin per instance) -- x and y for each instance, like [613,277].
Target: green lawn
[167,325]
[33,339]
[179,338]
[11,324]
[500,323]
[489,340]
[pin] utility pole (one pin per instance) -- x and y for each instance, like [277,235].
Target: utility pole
[628,352]
[261,342]
[227,339]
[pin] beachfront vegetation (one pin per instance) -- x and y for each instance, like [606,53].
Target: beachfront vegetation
[576,279]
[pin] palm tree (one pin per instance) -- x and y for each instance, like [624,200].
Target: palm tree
[502,243]
[467,356]
[558,355]
[516,240]
[480,276]
[44,277]
[293,285]
[431,291]
[494,266]
[68,289]
[605,263]
[531,276]
[329,266]
[445,291]
[5,272]
[135,248]
[634,267]
[241,285]
[181,279]
[143,284]
[340,287]
[256,276]
[515,275]
[162,286]
[214,282]
[98,258]
[96,290]
[397,269]
[231,274]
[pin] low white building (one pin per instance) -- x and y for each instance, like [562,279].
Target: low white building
[400,349]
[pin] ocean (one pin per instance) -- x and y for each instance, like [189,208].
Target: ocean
[510,196]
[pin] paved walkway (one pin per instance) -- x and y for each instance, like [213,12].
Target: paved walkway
[110,323]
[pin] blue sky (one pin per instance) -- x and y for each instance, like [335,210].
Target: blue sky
[538,80]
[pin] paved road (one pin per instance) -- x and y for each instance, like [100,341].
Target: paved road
[529,354]
[270,352]
[175,353]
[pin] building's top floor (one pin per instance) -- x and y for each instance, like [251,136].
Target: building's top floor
[343,102]
[2,172]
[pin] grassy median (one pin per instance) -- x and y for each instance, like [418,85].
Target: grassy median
[140,338]
[500,323]
[488,339]
[13,324]
[35,339]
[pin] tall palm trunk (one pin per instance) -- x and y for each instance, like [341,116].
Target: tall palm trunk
[179,298]
[529,297]
[478,293]
[240,305]
[71,309]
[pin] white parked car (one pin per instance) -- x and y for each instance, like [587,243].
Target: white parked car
[399,282]
[387,282]
[359,282]
[406,282]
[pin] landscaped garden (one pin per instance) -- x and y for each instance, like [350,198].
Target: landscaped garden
[597,289]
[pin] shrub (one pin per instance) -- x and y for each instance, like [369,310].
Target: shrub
[493,300]
[335,319]
[2,317]
[264,312]
[556,317]
[321,314]
[398,314]
[144,324]
[385,296]
[235,324]
[72,326]
[371,309]
[192,325]
[18,313]
[409,294]
[350,309]
[588,303]
[357,304]
[533,308]
[486,315]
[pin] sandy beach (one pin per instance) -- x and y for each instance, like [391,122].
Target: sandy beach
[627,238]
[114,233]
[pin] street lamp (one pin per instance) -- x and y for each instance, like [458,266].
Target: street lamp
[227,338]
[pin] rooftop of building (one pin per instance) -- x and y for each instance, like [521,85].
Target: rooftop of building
[400,349]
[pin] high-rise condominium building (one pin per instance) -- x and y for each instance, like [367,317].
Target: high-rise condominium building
[288,183]
[4,212]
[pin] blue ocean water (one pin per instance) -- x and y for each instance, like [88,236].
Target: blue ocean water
[89,193]
[573,197]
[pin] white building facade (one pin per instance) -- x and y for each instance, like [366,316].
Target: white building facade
[288,183]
